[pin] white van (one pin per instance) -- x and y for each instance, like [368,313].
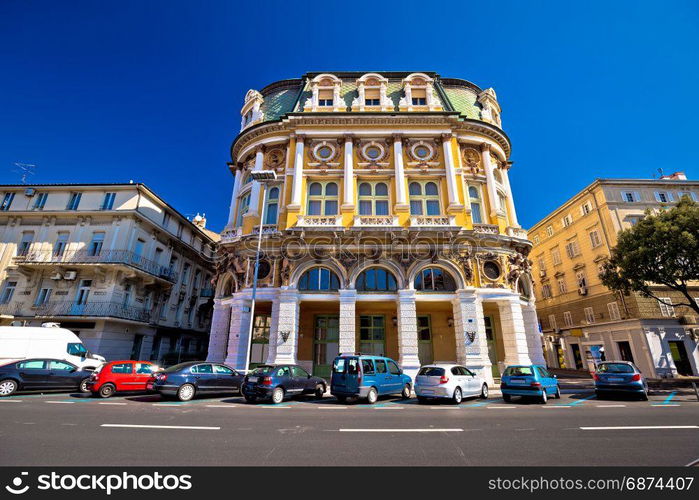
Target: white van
[23,342]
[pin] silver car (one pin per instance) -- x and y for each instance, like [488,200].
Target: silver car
[448,380]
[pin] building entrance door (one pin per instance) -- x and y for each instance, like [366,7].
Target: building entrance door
[372,335]
[577,358]
[490,335]
[259,347]
[325,343]
[424,337]
[679,356]
[625,351]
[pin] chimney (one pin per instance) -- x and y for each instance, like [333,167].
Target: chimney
[199,221]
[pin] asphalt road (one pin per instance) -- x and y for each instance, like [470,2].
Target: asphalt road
[64,429]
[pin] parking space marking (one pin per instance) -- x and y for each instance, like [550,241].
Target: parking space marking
[665,405]
[60,402]
[113,403]
[221,406]
[581,401]
[10,400]
[558,406]
[401,430]
[389,408]
[332,407]
[670,396]
[446,407]
[610,406]
[270,406]
[501,407]
[189,427]
[639,427]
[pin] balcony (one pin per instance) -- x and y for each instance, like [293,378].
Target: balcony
[486,229]
[517,232]
[375,220]
[431,221]
[91,309]
[319,221]
[85,257]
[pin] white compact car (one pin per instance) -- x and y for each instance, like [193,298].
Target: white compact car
[450,381]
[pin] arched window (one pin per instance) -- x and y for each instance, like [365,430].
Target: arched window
[243,207]
[424,198]
[247,180]
[475,197]
[373,198]
[434,279]
[376,279]
[272,206]
[319,278]
[503,205]
[322,198]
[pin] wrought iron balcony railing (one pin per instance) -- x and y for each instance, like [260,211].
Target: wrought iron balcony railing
[93,309]
[124,257]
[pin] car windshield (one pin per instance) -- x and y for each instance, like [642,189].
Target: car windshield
[519,371]
[76,349]
[262,370]
[614,368]
[431,371]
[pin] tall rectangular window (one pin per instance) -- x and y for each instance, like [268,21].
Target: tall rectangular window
[562,287]
[556,256]
[325,97]
[59,247]
[595,240]
[7,292]
[25,243]
[166,219]
[96,244]
[552,322]
[589,315]
[568,319]
[373,198]
[108,201]
[43,297]
[667,310]
[40,201]
[7,201]
[613,308]
[74,201]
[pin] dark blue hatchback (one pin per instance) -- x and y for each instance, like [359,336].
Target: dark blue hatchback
[186,380]
[274,382]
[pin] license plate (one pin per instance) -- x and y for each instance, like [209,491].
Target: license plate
[518,382]
[615,379]
[252,379]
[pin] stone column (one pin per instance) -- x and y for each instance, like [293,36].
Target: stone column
[401,195]
[298,174]
[218,336]
[534,336]
[255,190]
[287,326]
[407,333]
[514,336]
[239,332]
[348,195]
[510,199]
[493,199]
[469,331]
[347,337]
[454,202]
[234,197]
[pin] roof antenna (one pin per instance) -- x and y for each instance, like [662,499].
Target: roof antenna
[25,170]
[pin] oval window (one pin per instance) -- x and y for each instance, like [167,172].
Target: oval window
[422,152]
[324,152]
[491,270]
[373,152]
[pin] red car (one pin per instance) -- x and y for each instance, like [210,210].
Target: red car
[121,376]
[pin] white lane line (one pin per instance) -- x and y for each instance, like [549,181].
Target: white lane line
[401,430]
[174,405]
[501,407]
[639,427]
[190,427]
[558,406]
[332,407]
[389,408]
[610,406]
[60,402]
[445,407]
[664,405]
[112,403]
[10,400]
[221,406]
[275,407]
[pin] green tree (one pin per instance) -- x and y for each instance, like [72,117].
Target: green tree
[661,249]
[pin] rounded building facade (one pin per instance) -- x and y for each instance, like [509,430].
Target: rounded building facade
[391,228]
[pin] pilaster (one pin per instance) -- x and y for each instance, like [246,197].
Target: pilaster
[347,336]
[407,333]
[514,336]
[218,336]
[238,333]
[286,342]
[469,331]
[534,336]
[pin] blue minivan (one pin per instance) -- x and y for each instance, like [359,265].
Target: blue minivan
[367,376]
[529,381]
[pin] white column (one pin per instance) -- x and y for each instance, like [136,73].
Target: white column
[218,336]
[238,333]
[298,174]
[495,208]
[401,195]
[469,331]
[451,172]
[348,196]
[407,333]
[255,190]
[534,336]
[287,326]
[510,199]
[514,336]
[234,197]
[347,335]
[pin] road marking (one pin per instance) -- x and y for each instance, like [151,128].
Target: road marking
[389,408]
[665,405]
[168,404]
[60,402]
[501,407]
[558,406]
[581,401]
[10,400]
[639,427]
[610,406]
[112,403]
[332,407]
[190,427]
[445,407]
[669,398]
[271,406]
[401,430]
[221,406]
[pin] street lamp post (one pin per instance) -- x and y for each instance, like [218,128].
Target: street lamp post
[264,177]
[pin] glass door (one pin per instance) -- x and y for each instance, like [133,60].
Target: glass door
[81,297]
[492,346]
[259,348]
[372,335]
[424,337]
[326,345]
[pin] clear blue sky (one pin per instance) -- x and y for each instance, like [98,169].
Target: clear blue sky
[97,91]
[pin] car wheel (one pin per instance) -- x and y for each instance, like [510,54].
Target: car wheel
[83,385]
[320,391]
[484,391]
[558,393]
[406,392]
[249,399]
[277,395]
[644,395]
[7,387]
[506,398]
[341,399]
[186,392]
[422,400]
[458,396]
[544,397]
[106,391]
[372,396]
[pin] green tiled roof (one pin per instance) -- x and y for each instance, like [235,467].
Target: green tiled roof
[464,100]
[279,103]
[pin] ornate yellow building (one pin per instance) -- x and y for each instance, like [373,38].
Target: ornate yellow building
[391,229]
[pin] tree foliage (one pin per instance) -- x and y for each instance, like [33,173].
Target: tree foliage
[661,249]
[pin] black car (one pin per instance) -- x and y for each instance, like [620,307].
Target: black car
[196,377]
[277,381]
[45,374]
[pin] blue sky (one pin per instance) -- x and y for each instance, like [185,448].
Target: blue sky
[151,90]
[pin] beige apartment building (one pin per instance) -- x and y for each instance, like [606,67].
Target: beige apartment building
[581,319]
[112,262]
